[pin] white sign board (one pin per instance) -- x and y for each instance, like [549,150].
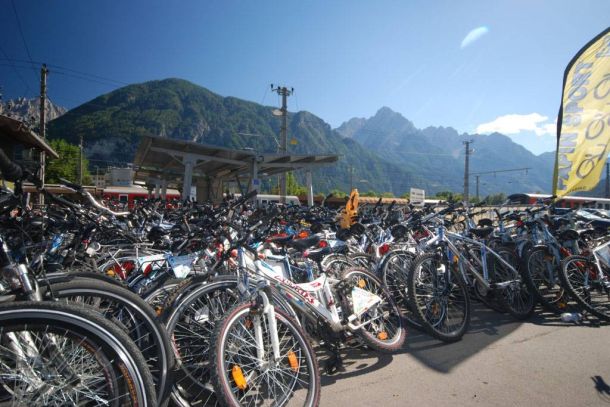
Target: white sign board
[417,197]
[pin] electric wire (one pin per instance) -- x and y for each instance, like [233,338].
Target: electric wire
[25,44]
[12,65]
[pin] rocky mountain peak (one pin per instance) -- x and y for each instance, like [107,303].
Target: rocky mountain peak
[28,110]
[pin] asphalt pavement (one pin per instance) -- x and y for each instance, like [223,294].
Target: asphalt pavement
[499,362]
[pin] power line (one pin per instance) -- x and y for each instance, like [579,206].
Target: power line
[25,44]
[70,70]
[27,87]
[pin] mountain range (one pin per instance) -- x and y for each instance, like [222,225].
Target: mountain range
[384,153]
[28,110]
[436,155]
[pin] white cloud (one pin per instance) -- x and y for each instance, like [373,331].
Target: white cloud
[517,123]
[474,35]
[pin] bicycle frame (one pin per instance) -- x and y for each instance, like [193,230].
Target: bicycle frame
[314,299]
[445,237]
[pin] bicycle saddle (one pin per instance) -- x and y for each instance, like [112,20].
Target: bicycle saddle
[482,232]
[302,244]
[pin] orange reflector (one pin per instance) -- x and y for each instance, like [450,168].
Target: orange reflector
[238,377]
[110,272]
[159,311]
[383,335]
[293,361]
[455,259]
[361,283]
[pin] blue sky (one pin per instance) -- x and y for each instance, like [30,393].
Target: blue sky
[473,65]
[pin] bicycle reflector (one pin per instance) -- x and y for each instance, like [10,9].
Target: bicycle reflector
[361,283]
[383,249]
[238,377]
[293,361]
[383,335]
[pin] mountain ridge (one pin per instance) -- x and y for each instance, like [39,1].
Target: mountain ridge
[384,153]
[113,123]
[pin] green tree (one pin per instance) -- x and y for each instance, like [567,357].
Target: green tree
[67,165]
[337,193]
[370,193]
[387,195]
[406,195]
[292,186]
[449,196]
[495,199]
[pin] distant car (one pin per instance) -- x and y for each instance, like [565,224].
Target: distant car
[596,221]
[602,213]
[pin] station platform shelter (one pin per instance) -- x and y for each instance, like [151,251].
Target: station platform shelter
[163,163]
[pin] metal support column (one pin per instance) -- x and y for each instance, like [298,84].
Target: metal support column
[164,189]
[254,181]
[309,188]
[189,163]
[157,189]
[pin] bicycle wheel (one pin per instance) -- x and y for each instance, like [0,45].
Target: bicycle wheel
[514,294]
[382,324]
[541,274]
[130,313]
[394,276]
[190,326]
[242,378]
[190,320]
[334,264]
[54,354]
[158,297]
[439,297]
[361,259]
[587,284]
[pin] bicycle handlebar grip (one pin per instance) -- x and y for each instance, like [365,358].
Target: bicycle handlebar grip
[10,170]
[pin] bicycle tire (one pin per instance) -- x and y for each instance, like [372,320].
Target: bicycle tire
[394,276]
[429,300]
[536,269]
[146,330]
[300,346]
[120,357]
[192,380]
[519,300]
[381,336]
[578,286]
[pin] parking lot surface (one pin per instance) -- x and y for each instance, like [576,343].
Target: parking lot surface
[500,362]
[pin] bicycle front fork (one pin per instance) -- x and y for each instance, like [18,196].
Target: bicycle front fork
[268,312]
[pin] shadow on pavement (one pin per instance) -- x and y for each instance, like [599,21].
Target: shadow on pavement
[602,388]
[486,327]
[356,361]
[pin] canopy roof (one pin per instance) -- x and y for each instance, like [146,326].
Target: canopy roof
[13,131]
[162,157]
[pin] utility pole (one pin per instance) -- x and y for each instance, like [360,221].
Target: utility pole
[80,162]
[467,170]
[284,92]
[607,180]
[43,133]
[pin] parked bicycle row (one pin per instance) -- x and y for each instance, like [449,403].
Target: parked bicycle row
[225,304]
